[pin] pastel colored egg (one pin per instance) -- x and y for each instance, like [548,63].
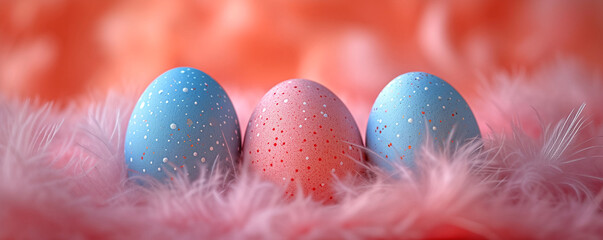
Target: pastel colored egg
[301,134]
[412,107]
[184,122]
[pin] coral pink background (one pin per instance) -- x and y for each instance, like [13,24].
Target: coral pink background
[63,49]
[525,67]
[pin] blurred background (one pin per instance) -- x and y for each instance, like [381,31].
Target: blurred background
[60,50]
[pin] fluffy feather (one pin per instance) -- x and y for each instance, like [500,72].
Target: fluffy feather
[63,176]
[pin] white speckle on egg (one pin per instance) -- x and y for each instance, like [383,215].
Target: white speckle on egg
[185,90]
[195,154]
[307,158]
[211,148]
[286,100]
[418,104]
[202,159]
[159,169]
[264,110]
[173,126]
[141,105]
[300,126]
[325,115]
[165,159]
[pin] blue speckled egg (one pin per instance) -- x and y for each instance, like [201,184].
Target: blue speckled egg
[184,122]
[411,107]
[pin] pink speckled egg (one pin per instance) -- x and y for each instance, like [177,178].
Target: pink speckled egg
[301,134]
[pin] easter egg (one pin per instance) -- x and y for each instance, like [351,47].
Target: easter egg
[413,108]
[184,123]
[301,134]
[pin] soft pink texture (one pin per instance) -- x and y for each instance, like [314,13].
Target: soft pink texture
[63,176]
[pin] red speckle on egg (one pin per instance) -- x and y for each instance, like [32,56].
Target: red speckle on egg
[306,115]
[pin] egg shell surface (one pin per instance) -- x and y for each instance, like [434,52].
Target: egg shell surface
[184,122]
[412,107]
[301,134]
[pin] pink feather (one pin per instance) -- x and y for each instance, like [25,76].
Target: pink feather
[62,175]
